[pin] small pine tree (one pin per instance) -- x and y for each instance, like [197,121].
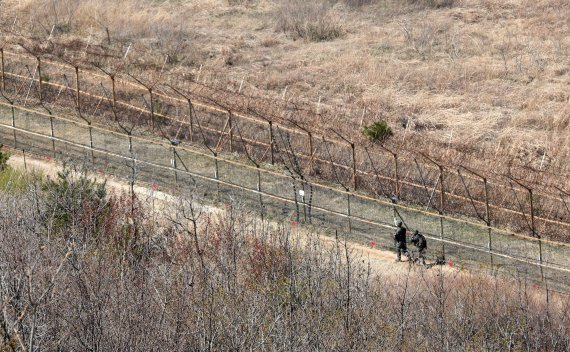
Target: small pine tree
[379,131]
[75,198]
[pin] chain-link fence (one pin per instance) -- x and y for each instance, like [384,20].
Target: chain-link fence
[530,202]
[281,193]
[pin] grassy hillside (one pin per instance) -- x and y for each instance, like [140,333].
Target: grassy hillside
[486,73]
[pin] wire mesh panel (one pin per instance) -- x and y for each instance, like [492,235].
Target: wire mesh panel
[369,209]
[194,162]
[154,153]
[241,176]
[427,223]
[329,199]
[5,114]
[280,186]
[33,122]
[513,246]
[111,142]
[465,232]
[555,254]
[73,132]
[39,126]
[556,279]
[279,210]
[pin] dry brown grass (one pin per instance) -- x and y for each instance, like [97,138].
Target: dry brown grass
[488,73]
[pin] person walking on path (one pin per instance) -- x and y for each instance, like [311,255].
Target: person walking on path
[420,243]
[400,241]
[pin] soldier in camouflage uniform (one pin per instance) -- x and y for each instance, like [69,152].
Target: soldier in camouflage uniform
[400,241]
[420,243]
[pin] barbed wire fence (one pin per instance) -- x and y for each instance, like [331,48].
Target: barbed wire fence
[464,211]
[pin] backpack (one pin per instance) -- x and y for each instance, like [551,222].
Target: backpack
[422,243]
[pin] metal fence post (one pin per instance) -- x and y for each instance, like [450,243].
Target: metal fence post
[441,209]
[396,175]
[2,68]
[14,125]
[151,107]
[271,142]
[488,217]
[78,98]
[312,153]
[77,91]
[91,142]
[40,79]
[174,165]
[217,176]
[260,194]
[354,171]
[24,156]
[114,97]
[231,131]
[537,235]
[52,135]
[348,212]
[190,111]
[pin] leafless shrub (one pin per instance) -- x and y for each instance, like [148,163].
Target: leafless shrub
[309,20]
[357,3]
[436,4]
[197,281]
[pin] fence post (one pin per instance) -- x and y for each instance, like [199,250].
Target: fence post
[535,234]
[260,194]
[488,216]
[190,111]
[14,125]
[40,79]
[231,132]
[114,97]
[540,257]
[441,209]
[52,135]
[151,107]
[77,92]
[78,97]
[271,142]
[353,149]
[396,176]
[348,211]
[2,68]
[354,172]
[24,156]
[396,172]
[174,165]
[312,154]
[91,142]
[217,176]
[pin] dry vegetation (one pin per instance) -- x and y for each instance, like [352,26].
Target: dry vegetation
[83,268]
[488,73]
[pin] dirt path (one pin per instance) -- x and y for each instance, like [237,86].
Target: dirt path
[380,260]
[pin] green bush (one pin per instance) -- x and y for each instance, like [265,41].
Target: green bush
[4,156]
[378,132]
